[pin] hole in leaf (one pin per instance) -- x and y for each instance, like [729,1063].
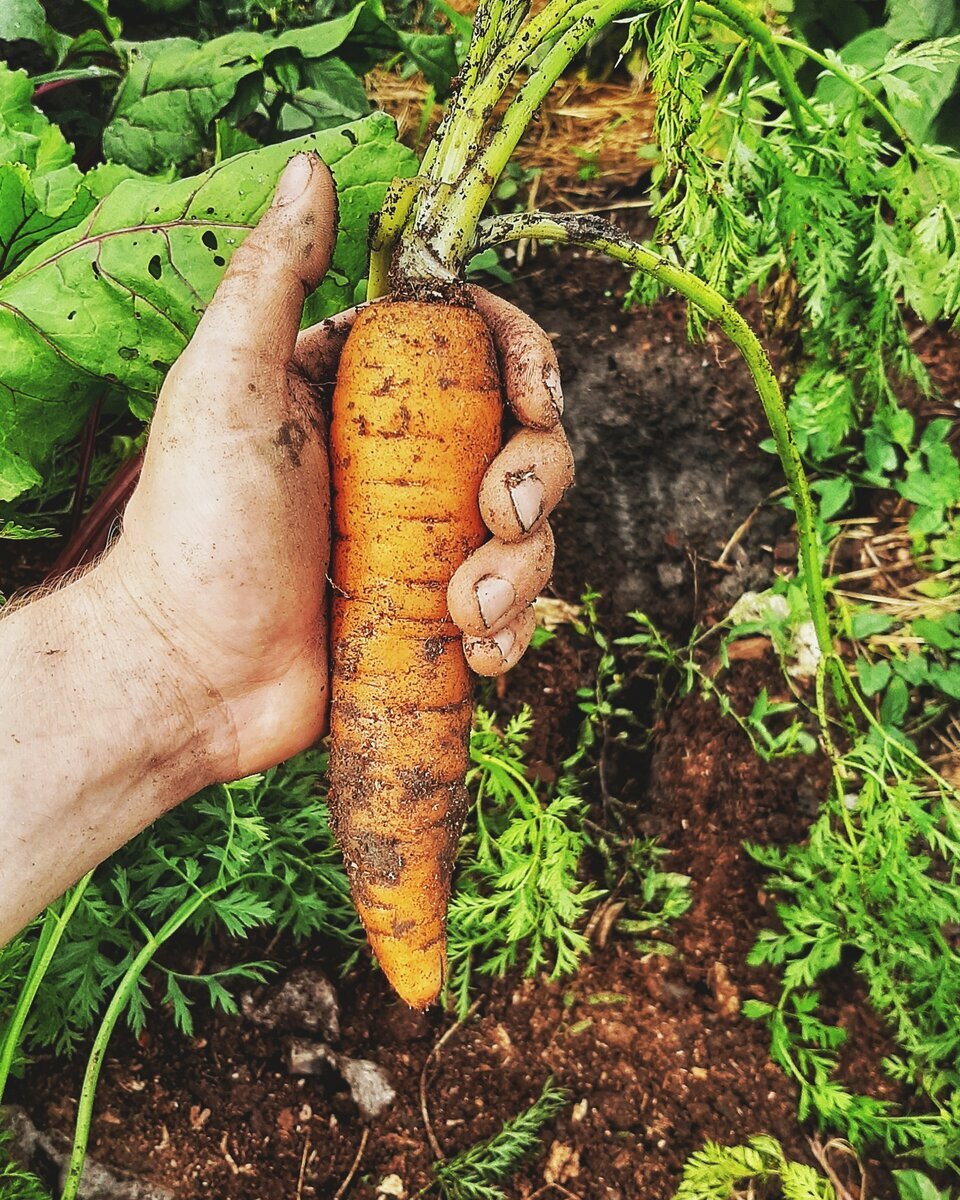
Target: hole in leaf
[94,266]
[350,136]
[209,239]
[155,266]
[219,260]
[71,315]
[128,352]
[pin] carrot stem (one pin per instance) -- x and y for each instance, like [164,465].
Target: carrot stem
[596,234]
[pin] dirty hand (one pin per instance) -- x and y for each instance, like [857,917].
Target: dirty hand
[225,544]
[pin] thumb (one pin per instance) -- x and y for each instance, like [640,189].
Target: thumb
[257,308]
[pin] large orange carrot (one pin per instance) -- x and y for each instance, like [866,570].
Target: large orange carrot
[416,421]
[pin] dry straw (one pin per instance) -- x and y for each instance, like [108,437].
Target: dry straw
[590,144]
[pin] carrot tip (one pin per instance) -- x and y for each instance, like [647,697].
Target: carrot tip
[417,976]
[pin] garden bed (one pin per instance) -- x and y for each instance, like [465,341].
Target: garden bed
[652,1048]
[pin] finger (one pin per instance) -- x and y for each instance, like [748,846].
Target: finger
[528,361]
[498,581]
[256,310]
[525,482]
[318,349]
[493,656]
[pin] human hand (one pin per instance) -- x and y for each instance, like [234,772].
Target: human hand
[225,546]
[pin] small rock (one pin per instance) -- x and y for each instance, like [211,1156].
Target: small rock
[369,1083]
[305,1000]
[724,991]
[49,1154]
[563,1164]
[391,1185]
[617,1034]
[671,575]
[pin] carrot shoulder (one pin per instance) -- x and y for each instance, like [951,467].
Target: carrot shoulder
[416,421]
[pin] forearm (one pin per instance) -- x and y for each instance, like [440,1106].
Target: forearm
[101,731]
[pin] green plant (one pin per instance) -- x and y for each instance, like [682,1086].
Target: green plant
[830,199]
[15,1182]
[775,729]
[476,1173]
[758,1168]
[517,892]
[109,306]
[303,79]
[912,1185]
[876,883]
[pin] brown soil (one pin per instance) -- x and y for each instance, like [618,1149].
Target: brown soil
[653,1049]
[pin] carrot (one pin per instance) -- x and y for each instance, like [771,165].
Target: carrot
[416,421]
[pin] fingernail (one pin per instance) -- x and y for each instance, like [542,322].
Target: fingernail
[504,640]
[293,182]
[495,596]
[551,381]
[526,495]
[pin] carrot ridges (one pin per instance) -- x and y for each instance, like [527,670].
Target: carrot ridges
[416,421]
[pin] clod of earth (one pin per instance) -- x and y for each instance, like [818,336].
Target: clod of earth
[306,1001]
[369,1084]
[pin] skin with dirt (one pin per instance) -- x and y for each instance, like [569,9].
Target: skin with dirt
[653,1049]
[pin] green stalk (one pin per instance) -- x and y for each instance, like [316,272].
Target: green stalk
[736,17]
[462,130]
[436,247]
[686,19]
[98,1051]
[721,91]
[875,102]
[596,234]
[54,926]
[385,230]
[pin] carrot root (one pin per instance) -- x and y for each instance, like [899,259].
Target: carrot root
[417,418]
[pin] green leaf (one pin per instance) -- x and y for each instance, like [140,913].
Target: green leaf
[171,94]
[40,188]
[115,301]
[946,679]
[873,676]
[176,87]
[912,1185]
[913,668]
[867,621]
[25,20]
[918,20]
[834,495]
[896,701]
[936,633]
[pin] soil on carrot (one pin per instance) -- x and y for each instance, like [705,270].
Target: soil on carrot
[652,1049]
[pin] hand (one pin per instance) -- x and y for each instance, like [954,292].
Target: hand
[225,545]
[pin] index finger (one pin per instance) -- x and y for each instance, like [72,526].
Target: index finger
[528,361]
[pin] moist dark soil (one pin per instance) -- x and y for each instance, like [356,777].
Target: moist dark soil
[652,1048]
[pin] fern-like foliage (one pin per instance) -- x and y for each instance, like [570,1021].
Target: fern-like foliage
[518,897]
[476,1173]
[843,214]
[878,883]
[758,1169]
[16,1183]
[263,851]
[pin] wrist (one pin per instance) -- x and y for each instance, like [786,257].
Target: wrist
[184,732]
[102,729]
